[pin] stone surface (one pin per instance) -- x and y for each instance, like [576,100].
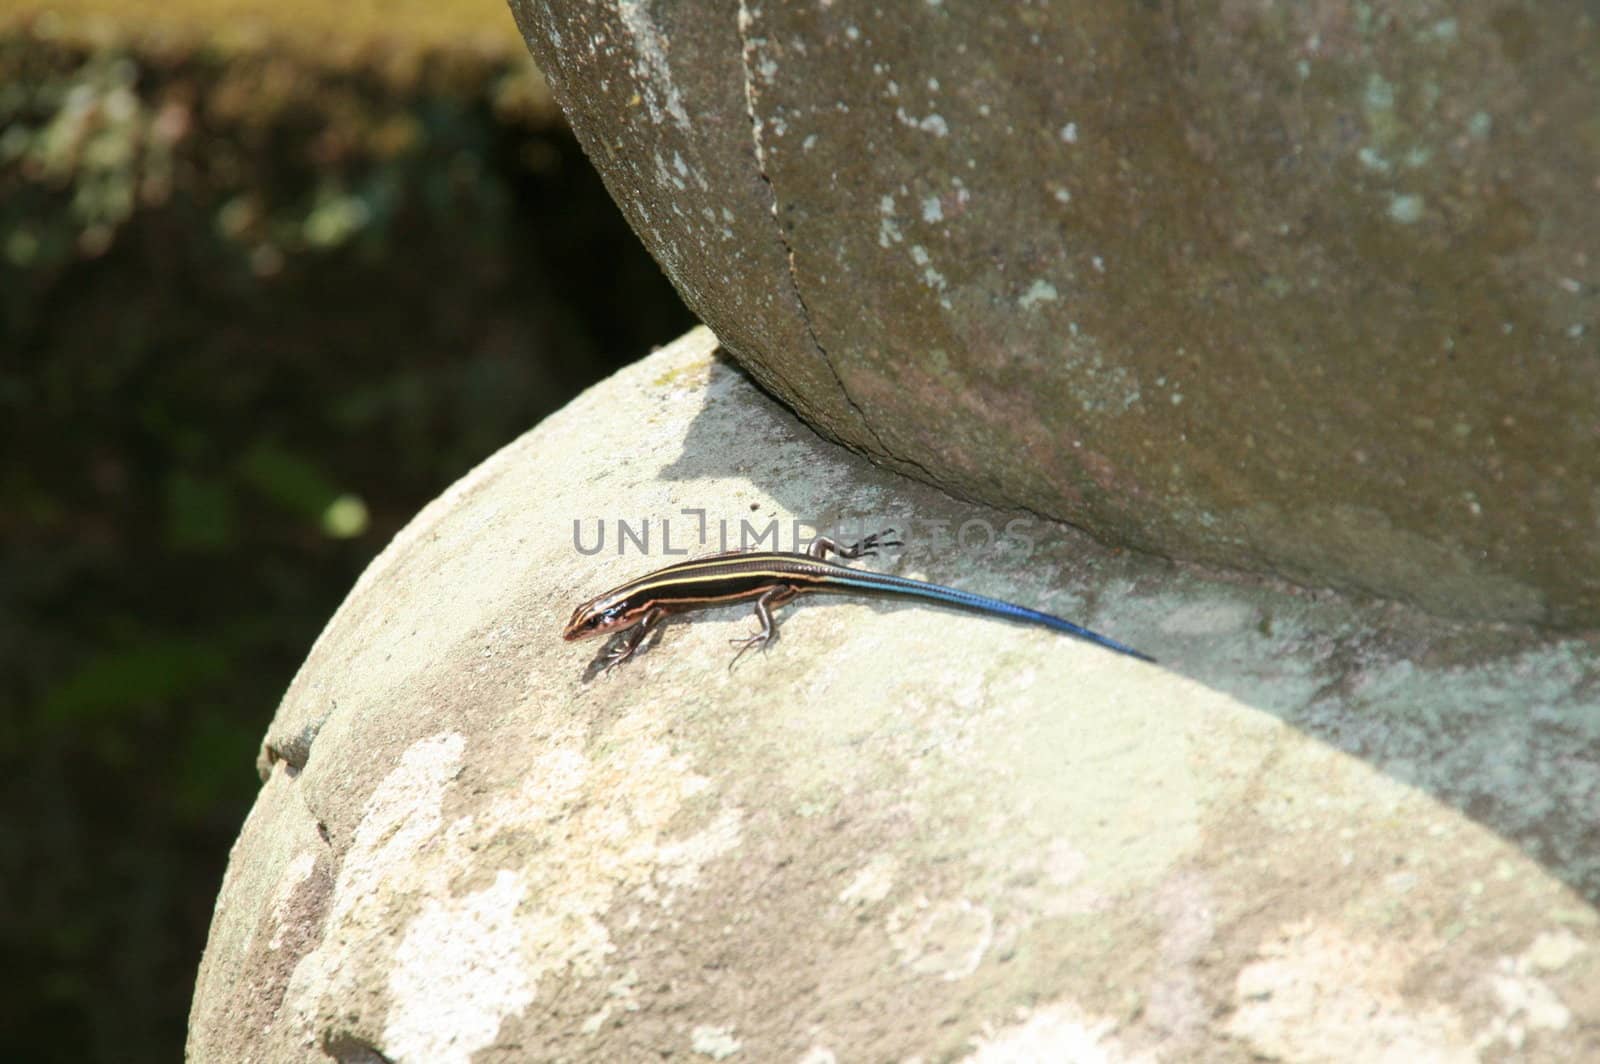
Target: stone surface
[1304,288]
[1319,830]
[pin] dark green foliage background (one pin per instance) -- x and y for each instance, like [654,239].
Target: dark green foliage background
[234,290]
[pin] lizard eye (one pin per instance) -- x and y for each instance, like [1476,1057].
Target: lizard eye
[602,618]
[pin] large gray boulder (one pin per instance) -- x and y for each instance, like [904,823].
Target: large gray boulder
[1318,831]
[1302,288]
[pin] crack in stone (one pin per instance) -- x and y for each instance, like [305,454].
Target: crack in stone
[748,46]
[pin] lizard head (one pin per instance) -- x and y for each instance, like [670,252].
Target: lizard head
[597,616]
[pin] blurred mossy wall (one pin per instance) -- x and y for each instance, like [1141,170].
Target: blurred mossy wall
[272,275]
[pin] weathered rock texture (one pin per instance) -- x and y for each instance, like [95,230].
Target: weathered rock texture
[1309,288]
[1321,832]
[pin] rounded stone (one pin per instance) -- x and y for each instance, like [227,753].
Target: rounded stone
[1321,830]
[1308,289]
